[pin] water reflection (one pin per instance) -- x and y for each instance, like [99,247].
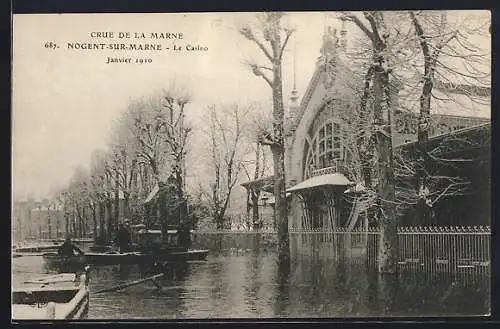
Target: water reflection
[319,281]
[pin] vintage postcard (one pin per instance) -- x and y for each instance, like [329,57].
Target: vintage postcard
[251,165]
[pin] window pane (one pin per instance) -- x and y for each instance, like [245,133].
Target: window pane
[336,128]
[330,159]
[321,146]
[328,144]
[322,133]
[336,142]
[336,154]
[322,161]
[328,129]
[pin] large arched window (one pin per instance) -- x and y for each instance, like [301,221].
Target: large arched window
[325,148]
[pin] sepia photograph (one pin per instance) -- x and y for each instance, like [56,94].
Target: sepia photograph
[251,165]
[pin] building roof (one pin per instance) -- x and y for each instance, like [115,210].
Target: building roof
[459,100]
[52,208]
[263,184]
[469,131]
[272,199]
[336,179]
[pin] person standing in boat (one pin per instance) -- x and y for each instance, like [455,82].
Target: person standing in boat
[123,238]
[68,249]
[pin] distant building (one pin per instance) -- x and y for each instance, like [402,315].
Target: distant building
[37,220]
[21,219]
[48,221]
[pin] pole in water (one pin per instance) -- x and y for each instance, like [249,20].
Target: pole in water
[51,310]
[133,283]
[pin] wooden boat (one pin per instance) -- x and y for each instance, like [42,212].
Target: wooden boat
[37,248]
[54,259]
[112,257]
[57,297]
[101,248]
[160,248]
[182,255]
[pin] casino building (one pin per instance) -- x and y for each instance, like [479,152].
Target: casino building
[319,129]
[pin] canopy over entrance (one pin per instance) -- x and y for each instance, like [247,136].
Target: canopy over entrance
[336,179]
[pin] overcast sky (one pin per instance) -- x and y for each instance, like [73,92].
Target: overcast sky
[65,101]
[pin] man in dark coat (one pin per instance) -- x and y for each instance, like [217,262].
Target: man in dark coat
[68,249]
[123,238]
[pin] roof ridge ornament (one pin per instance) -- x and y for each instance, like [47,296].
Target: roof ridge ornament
[329,54]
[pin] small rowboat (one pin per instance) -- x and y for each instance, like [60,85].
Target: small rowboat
[185,256]
[54,259]
[57,297]
[37,248]
[112,258]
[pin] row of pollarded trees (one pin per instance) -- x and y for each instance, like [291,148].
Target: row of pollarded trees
[148,146]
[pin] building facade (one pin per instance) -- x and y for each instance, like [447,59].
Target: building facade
[37,220]
[320,134]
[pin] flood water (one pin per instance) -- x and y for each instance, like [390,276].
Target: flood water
[249,283]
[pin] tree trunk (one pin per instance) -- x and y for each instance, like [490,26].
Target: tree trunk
[73,220]
[117,199]
[100,218]
[257,223]
[109,220]
[94,220]
[66,221]
[58,218]
[388,247]
[184,223]
[126,202]
[84,222]
[278,151]
[219,221]
[248,204]
[423,210]
[49,223]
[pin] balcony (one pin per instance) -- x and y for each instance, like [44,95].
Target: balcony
[335,168]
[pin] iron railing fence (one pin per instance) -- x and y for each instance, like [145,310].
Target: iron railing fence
[464,249]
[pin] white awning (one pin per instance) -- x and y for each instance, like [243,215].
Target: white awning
[335,179]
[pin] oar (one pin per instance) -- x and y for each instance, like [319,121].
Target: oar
[133,283]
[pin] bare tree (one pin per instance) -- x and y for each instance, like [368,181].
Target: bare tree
[378,73]
[143,118]
[176,133]
[446,49]
[272,43]
[443,45]
[258,122]
[225,137]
